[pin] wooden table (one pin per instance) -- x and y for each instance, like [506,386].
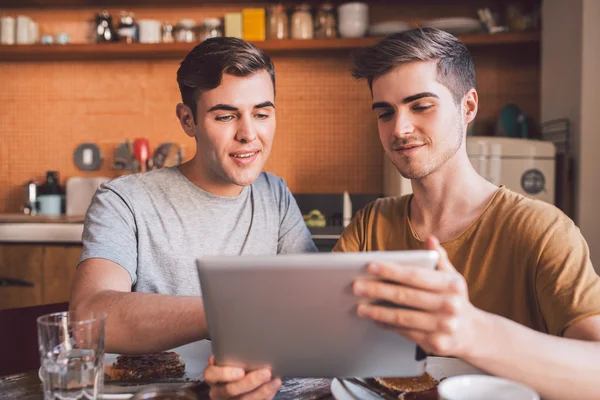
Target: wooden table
[27,386]
[18,352]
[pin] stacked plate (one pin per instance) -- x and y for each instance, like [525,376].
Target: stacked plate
[389,27]
[455,26]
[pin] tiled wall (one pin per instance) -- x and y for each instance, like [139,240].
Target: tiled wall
[326,137]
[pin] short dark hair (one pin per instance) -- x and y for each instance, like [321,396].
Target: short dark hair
[203,68]
[455,67]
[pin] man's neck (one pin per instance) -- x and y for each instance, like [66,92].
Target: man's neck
[196,173]
[446,202]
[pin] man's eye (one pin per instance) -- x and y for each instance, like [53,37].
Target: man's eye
[422,108]
[262,116]
[385,115]
[224,118]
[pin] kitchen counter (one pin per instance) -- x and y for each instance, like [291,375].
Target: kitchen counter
[19,228]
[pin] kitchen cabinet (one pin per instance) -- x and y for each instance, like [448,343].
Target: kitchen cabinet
[50,268]
[22,262]
[58,270]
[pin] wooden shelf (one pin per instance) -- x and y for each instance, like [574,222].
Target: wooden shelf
[176,3]
[8,4]
[140,51]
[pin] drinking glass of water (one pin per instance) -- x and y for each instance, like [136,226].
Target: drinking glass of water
[72,354]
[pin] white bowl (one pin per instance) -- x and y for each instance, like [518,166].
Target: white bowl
[476,387]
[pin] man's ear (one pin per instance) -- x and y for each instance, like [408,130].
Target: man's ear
[186,119]
[471,104]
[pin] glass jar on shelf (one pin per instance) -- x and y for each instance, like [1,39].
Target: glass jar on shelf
[209,28]
[325,23]
[302,22]
[167,33]
[277,23]
[184,31]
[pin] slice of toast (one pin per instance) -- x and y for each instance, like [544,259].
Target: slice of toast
[165,365]
[411,384]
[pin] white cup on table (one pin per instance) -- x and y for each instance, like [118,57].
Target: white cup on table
[477,387]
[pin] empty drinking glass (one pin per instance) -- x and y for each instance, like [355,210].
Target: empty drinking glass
[71,348]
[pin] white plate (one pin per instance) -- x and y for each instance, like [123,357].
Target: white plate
[455,26]
[194,354]
[437,367]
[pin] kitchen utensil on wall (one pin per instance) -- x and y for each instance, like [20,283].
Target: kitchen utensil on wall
[79,193]
[167,155]
[141,149]
[87,157]
[124,159]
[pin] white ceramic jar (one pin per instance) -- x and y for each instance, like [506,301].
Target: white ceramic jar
[353,19]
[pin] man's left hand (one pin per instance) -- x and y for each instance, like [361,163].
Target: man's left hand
[440,317]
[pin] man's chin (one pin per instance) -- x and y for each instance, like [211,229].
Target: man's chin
[244,179]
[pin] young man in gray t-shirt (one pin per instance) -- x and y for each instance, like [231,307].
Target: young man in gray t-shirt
[143,232]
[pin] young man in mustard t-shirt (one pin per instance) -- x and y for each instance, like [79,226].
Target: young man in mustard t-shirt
[515,293]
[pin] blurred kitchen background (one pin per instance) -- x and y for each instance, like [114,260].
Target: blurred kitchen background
[88,93]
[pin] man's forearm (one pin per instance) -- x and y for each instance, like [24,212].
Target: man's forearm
[140,323]
[557,368]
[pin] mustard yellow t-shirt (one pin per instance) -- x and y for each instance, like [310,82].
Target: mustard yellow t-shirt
[522,258]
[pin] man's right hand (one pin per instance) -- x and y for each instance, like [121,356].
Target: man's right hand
[230,382]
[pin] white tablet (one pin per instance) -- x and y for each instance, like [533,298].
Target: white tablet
[297,314]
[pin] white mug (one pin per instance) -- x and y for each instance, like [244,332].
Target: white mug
[7,30]
[477,387]
[23,29]
[149,31]
[353,19]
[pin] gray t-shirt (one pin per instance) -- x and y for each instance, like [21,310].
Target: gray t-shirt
[156,224]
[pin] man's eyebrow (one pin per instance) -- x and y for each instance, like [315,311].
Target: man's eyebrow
[264,104]
[418,96]
[381,104]
[223,107]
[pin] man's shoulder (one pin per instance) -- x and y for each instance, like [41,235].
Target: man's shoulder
[529,214]
[132,183]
